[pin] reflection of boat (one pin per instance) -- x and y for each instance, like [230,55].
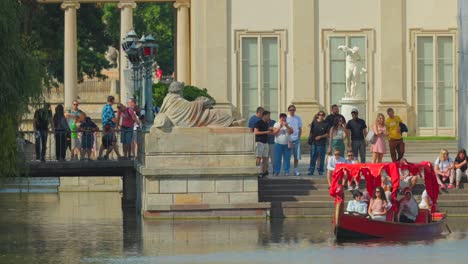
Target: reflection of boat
[429,223]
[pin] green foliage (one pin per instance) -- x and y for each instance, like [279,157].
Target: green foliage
[21,73]
[190,93]
[43,31]
[157,19]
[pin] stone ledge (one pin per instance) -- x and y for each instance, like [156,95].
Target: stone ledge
[203,207]
[197,172]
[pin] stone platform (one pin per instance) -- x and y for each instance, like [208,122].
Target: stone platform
[198,172]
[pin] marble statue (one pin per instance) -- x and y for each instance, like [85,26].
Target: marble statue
[112,56]
[353,71]
[177,111]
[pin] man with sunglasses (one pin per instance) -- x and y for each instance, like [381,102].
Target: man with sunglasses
[296,124]
[332,161]
[317,141]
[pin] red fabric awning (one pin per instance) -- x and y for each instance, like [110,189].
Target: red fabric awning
[372,175]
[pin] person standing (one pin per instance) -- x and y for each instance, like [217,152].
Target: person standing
[42,119]
[87,127]
[395,139]
[337,135]
[271,143]
[61,131]
[70,116]
[262,130]
[296,124]
[358,130]
[335,112]
[255,118]
[317,141]
[129,119]
[379,148]
[282,132]
[108,118]
[332,161]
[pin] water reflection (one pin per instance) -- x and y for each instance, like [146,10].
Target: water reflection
[92,228]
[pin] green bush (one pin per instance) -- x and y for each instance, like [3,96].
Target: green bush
[160,90]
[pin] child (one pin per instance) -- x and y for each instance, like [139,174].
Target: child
[351,160]
[88,127]
[75,141]
[108,140]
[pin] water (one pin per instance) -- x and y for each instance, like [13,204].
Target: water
[92,228]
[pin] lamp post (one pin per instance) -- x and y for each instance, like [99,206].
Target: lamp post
[141,53]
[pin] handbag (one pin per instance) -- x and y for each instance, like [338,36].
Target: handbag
[371,138]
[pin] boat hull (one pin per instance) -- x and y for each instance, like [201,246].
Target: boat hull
[360,227]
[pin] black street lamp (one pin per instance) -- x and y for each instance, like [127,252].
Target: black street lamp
[141,54]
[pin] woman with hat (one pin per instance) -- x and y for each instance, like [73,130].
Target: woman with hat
[408,207]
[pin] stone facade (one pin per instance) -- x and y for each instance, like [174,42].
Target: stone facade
[90,184]
[210,171]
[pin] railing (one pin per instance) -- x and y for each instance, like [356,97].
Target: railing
[61,143]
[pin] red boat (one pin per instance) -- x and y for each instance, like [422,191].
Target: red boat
[428,224]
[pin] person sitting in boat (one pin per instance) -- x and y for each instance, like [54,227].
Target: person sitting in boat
[443,167]
[332,161]
[406,180]
[408,207]
[355,205]
[378,205]
[426,202]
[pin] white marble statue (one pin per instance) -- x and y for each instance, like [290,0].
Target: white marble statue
[177,111]
[353,71]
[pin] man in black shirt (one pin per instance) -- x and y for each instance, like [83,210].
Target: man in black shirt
[42,119]
[262,130]
[358,130]
[335,112]
[317,139]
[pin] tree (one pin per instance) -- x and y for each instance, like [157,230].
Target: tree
[21,73]
[43,30]
[148,18]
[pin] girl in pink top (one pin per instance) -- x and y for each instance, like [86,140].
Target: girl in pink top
[378,205]
[378,149]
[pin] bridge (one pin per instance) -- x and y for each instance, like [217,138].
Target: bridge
[109,168]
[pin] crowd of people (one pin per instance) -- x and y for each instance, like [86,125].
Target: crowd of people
[77,132]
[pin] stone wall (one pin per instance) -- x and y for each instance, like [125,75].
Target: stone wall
[90,184]
[198,172]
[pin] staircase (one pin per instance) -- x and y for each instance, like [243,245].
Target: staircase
[308,197]
[415,147]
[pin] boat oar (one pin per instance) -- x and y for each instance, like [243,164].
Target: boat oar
[448,228]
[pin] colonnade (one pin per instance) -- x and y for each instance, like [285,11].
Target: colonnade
[126,24]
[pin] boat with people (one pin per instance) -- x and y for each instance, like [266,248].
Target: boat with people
[391,224]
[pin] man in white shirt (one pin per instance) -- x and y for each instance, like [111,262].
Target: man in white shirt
[332,161]
[296,124]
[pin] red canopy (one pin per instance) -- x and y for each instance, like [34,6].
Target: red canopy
[372,174]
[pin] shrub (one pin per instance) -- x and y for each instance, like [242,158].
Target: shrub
[160,90]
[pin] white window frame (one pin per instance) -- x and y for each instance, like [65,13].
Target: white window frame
[435,130]
[282,49]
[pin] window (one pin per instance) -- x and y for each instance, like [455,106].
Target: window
[260,75]
[338,65]
[435,81]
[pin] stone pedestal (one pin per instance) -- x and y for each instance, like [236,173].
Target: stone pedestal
[348,104]
[198,172]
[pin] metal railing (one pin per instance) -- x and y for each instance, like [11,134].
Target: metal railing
[60,144]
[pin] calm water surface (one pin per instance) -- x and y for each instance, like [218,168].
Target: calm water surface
[92,228]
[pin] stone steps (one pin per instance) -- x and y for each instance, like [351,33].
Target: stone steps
[309,197]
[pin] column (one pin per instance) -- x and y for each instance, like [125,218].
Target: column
[392,51]
[70,53]
[305,53]
[126,24]
[183,41]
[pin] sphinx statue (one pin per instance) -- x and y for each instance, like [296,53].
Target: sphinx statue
[178,112]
